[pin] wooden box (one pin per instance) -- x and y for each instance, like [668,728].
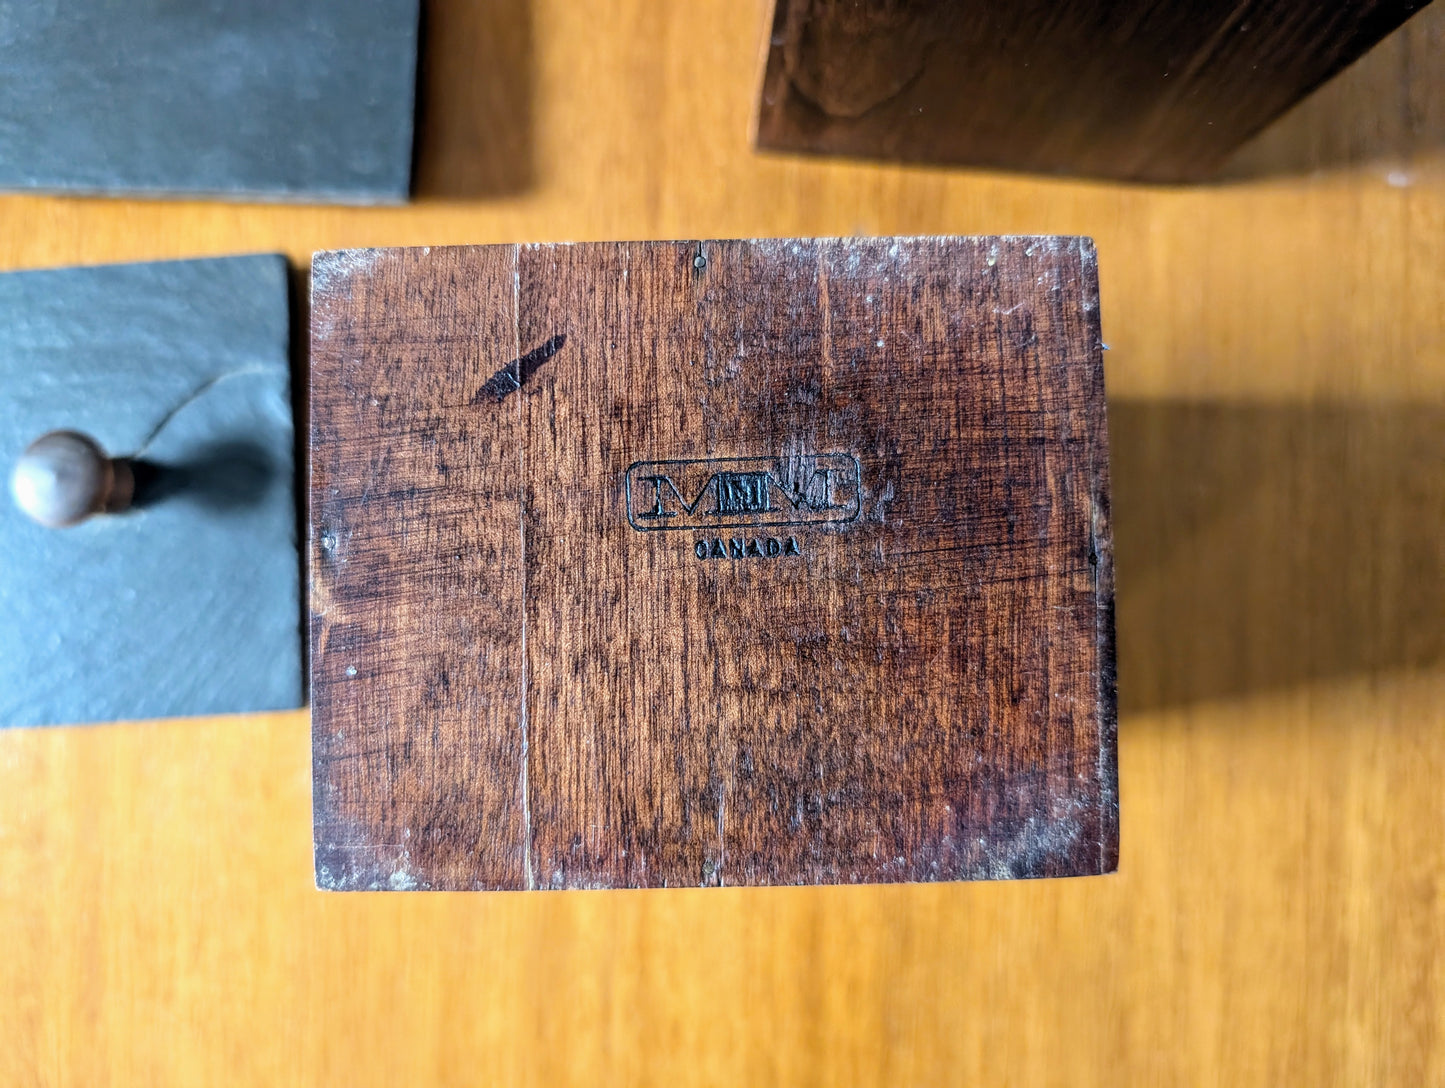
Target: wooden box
[719,563]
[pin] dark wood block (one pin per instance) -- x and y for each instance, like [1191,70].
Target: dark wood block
[1137,89]
[710,563]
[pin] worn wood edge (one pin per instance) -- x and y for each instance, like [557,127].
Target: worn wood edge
[1103,546]
[342,264]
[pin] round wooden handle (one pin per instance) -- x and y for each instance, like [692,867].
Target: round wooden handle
[64,477]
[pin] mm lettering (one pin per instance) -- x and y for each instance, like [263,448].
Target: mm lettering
[738,492]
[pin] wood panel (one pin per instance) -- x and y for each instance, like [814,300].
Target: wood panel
[815,576]
[1276,377]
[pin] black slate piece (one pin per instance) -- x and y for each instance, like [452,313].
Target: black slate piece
[190,603]
[289,99]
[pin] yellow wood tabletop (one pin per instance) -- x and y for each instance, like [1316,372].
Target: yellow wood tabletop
[1276,380]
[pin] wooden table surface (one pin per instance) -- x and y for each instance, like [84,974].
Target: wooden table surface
[1277,401]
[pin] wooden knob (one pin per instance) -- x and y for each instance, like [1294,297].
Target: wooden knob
[64,477]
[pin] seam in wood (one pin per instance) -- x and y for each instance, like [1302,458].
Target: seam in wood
[522,538]
[725,763]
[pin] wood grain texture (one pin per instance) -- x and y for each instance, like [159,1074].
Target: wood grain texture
[1276,380]
[416,696]
[543,654]
[1142,90]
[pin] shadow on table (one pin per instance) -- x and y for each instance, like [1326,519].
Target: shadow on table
[475,99]
[1259,548]
[1387,110]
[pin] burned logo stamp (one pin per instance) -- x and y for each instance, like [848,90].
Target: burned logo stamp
[743,492]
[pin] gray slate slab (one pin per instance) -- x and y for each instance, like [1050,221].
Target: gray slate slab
[284,99]
[189,605]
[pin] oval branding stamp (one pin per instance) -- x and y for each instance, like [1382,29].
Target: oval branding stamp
[742,492]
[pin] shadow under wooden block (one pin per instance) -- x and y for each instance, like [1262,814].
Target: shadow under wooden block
[1138,90]
[1265,547]
[475,109]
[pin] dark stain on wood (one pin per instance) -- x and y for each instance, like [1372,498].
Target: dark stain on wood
[512,376]
[798,571]
[1136,90]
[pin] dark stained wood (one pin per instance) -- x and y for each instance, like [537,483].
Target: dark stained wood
[522,678]
[1140,89]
